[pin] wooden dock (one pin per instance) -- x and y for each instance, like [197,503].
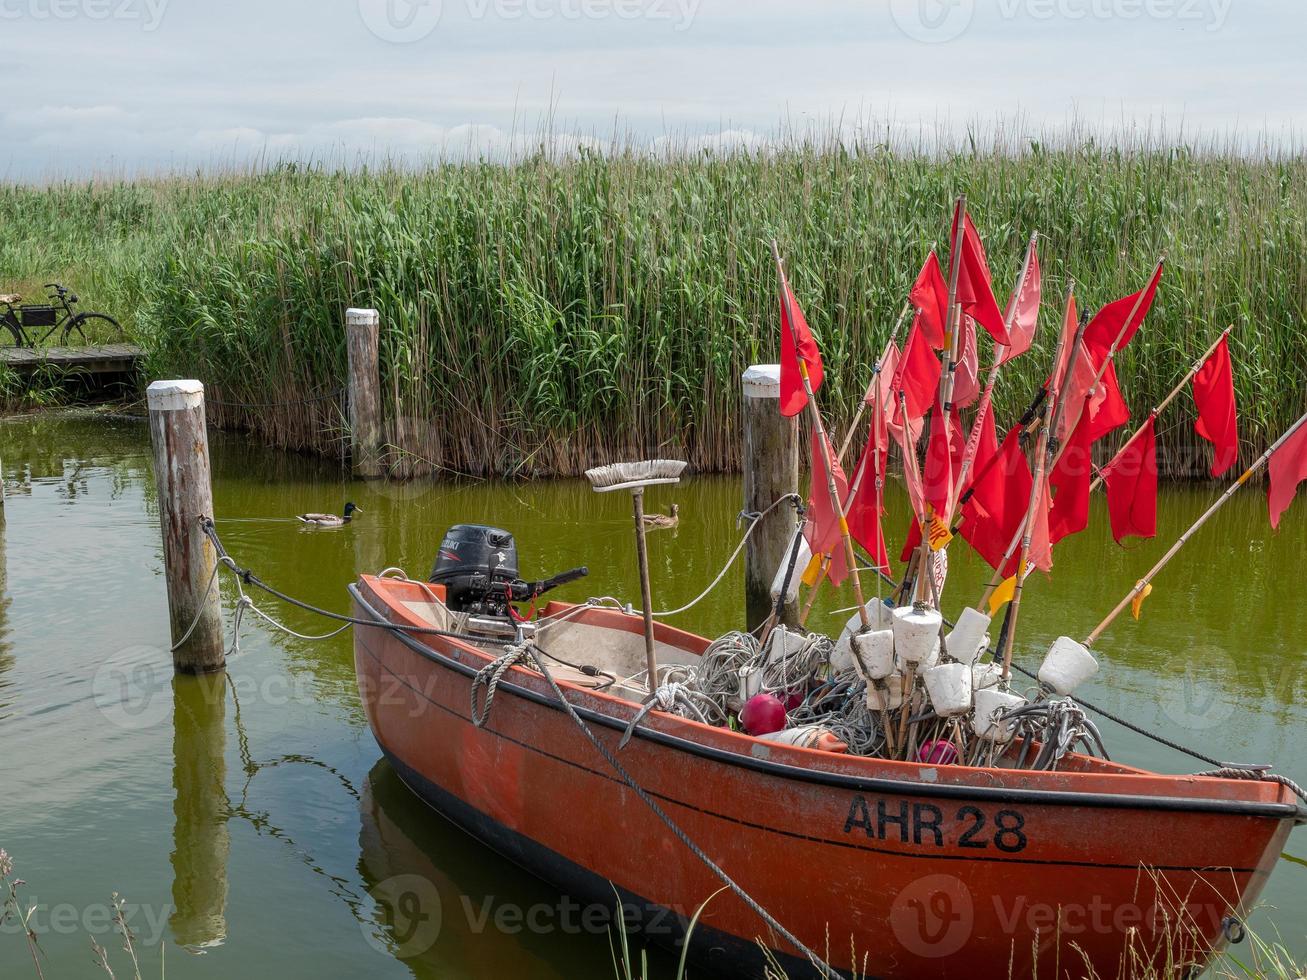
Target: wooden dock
[102,359]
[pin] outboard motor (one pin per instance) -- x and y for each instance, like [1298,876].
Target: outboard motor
[477,565]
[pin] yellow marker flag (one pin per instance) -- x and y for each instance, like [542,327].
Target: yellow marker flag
[1005,592]
[1137,603]
[940,535]
[813,571]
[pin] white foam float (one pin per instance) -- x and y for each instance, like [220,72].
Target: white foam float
[969,637]
[949,688]
[916,633]
[1066,666]
[989,702]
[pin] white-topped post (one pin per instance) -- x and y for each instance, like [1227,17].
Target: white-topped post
[771,470]
[362,329]
[182,475]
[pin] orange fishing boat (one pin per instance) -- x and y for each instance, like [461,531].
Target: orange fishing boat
[892,868]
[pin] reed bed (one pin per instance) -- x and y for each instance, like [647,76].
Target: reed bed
[549,313]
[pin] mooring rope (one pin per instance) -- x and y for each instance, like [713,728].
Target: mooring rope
[1236,772]
[522,654]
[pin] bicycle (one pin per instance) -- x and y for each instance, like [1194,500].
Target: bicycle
[24,322]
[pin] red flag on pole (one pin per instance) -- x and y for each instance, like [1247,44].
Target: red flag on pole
[1070,479]
[937,478]
[975,290]
[1108,323]
[929,296]
[867,506]
[1218,421]
[1288,468]
[1000,497]
[796,342]
[966,379]
[1131,480]
[823,526]
[1106,408]
[1025,311]
[918,373]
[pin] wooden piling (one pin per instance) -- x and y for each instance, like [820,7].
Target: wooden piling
[181,473]
[771,470]
[361,332]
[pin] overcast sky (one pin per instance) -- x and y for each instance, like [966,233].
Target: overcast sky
[118,86]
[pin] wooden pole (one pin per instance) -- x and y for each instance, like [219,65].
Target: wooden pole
[837,505]
[201,842]
[181,473]
[1144,582]
[361,331]
[1197,366]
[872,388]
[771,470]
[646,592]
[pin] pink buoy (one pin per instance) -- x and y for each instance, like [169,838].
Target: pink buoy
[938,753]
[763,714]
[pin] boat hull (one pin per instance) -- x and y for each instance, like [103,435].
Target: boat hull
[899,870]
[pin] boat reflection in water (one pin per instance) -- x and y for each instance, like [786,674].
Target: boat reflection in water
[201,842]
[448,906]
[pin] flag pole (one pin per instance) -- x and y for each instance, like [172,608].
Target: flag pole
[969,456]
[1197,366]
[859,473]
[837,505]
[1111,354]
[875,376]
[1036,493]
[953,317]
[1142,586]
[1056,381]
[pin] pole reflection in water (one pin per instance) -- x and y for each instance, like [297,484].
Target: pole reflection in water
[201,842]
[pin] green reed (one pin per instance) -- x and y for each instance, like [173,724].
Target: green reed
[543,315]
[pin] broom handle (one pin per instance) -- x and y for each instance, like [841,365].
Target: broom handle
[1183,539]
[646,593]
[1197,366]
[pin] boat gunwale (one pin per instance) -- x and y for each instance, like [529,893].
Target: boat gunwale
[821,776]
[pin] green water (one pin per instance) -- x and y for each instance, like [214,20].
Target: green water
[248,817]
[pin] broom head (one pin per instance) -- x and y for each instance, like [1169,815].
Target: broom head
[633,476]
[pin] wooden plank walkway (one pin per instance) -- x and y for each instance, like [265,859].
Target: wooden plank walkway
[102,359]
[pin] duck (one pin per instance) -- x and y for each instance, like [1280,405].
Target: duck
[331,520]
[664,520]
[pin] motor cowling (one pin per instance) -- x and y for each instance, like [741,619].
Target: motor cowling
[477,565]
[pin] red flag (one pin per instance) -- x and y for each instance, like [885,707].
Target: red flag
[1110,321]
[1131,480]
[1070,479]
[1106,408]
[975,290]
[1041,541]
[1025,311]
[867,506]
[929,296]
[966,379]
[823,527]
[1288,468]
[918,373]
[937,478]
[1000,497]
[796,342]
[1218,421]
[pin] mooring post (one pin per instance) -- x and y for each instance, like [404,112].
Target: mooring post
[181,473]
[771,470]
[361,331]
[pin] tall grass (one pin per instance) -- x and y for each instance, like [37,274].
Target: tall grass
[545,314]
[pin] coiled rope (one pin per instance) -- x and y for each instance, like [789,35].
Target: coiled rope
[522,654]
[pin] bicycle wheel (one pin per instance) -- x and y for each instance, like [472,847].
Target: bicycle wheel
[101,326]
[10,323]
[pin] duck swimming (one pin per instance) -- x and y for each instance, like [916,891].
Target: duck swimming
[664,520]
[331,520]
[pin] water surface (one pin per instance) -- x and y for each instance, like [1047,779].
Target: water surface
[247,820]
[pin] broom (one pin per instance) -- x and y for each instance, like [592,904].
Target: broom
[635,477]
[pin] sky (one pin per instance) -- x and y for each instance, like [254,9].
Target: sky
[121,87]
